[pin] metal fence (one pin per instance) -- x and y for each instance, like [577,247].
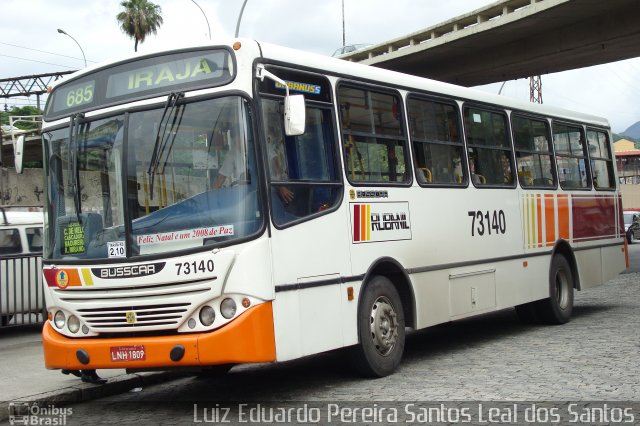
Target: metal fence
[21,292]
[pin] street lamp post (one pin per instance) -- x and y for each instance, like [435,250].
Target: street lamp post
[205,17]
[240,18]
[83,57]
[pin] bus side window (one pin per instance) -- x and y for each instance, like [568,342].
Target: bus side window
[489,147]
[302,169]
[374,141]
[437,145]
[571,156]
[534,155]
[601,160]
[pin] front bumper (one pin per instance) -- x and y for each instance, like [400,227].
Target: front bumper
[249,338]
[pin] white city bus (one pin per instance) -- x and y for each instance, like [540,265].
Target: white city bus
[201,212]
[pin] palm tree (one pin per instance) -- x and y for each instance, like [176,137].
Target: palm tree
[139,19]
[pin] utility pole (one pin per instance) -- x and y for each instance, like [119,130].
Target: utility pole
[344,43]
[535,89]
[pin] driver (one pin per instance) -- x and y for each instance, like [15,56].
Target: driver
[234,167]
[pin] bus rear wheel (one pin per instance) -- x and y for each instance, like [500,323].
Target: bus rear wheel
[380,329]
[557,309]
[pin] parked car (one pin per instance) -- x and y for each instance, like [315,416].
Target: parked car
[632,225]
[20,263]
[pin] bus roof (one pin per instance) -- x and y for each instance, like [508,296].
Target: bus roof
[347,69]
[342,68]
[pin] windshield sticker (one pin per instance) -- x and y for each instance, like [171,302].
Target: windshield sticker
[116,249]
[73,238]
[185,235]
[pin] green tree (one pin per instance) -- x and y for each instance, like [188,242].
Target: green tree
[26,110]
[139,19]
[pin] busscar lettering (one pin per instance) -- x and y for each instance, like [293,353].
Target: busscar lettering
[127,271]
[389,221]
[149,78]
[131,271]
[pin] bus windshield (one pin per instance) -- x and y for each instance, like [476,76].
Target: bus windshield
[177,177]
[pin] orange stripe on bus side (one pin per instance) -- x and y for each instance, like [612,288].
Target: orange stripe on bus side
[563,216]
[550,218]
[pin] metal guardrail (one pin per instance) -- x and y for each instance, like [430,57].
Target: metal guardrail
[21,291]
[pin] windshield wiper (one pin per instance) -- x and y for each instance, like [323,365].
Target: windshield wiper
[160,143]
[74,131]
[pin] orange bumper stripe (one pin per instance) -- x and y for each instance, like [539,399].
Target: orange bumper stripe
[249,338]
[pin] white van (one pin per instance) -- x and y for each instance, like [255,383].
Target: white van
[20,264]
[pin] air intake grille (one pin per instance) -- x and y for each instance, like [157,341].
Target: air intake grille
[139,317]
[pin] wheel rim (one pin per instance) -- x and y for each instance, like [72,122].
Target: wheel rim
[383,323]
[562,289]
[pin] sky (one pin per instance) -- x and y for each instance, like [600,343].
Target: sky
[30,44]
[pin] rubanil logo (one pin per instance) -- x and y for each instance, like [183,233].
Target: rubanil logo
[380,222]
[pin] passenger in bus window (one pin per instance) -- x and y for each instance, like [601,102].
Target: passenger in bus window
[476,178]
[278,166]
[506,169]
[234,167]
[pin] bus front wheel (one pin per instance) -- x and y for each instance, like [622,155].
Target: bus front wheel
[380,329]
[557,309]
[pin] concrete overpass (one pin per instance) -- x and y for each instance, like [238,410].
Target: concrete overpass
[513,39]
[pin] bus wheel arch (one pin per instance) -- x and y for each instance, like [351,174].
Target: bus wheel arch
[563,279]
[384,302]
[563,248]
[397,274]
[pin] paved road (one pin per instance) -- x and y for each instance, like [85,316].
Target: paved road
[595,357]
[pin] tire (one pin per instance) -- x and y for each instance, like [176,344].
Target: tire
[527,313]
[214,371]
[380,330]
[630,237]
[557,309]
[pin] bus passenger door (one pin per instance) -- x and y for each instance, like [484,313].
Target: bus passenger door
[308,239]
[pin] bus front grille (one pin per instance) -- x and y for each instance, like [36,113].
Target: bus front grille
[144,316]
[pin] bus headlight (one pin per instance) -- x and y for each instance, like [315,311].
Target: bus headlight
[228,308]
[207,315]
[73,324]
[59,319]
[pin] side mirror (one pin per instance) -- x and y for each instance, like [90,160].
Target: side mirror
[18,149]
[294,115]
